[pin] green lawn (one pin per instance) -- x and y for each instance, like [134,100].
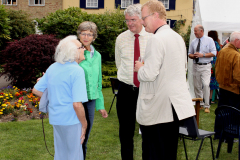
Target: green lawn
[24,140]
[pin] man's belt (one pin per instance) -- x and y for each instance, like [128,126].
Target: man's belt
[202,63]
[129,86]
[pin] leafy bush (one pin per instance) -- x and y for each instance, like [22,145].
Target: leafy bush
[108,70]
[4,26]
[21,25]
[65,22]
[28,58]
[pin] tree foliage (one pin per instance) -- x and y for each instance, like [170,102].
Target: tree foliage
[26,59]
[4,26]
[65,22]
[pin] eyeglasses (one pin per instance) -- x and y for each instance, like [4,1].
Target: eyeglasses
[143,18]
[130,20]
[85,34]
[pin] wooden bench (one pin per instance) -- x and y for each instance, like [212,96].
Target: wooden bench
[197,108]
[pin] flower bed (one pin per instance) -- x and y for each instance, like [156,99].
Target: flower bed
[16,104]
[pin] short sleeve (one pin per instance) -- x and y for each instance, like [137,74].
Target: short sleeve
[79,91]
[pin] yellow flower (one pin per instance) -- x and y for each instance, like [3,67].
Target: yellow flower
[35,105]
[11,96]
[1,112]
[6,94]
[30,100]
[19,101]
[22,101]
[3,108]
[7,97]
[4,105]
[1,96]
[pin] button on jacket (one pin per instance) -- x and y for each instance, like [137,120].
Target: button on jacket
[93,75]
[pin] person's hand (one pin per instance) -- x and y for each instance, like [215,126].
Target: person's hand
[198,55]
[103,112]
[138,65]
[84,128]
[40,77]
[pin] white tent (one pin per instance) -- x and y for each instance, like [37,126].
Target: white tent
[220,15]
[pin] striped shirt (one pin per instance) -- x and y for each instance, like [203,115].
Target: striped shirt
[124,53]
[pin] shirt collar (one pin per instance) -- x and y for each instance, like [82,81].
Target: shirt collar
[142,33]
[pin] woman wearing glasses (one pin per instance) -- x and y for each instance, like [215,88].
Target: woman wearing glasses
[92,65]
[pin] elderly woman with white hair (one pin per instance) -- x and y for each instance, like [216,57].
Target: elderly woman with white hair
[65,81]
[92,65]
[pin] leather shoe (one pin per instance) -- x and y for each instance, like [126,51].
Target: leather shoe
[207,110]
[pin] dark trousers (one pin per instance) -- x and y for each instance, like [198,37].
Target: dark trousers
[126,111]
[89,108]
[225,98]
[160,141]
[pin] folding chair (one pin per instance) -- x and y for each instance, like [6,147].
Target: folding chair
[115,84]
[229,119]
[189,130]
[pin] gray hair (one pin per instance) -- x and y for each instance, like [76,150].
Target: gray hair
[66,50]
[200,27]
[87,25]
[134,10]
[234,35]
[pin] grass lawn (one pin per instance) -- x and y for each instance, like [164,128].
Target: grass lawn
[24,140]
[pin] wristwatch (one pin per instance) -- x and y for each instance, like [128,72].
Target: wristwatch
[203,54]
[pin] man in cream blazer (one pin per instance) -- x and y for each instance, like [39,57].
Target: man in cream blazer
[163,98]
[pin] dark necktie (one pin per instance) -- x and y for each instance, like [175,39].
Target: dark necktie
[136,56]
[197,50]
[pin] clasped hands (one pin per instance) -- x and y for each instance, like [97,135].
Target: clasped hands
[197,55]
[138,65]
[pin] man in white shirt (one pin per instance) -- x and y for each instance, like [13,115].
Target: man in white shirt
[201,50]
[163,99]
[130,45]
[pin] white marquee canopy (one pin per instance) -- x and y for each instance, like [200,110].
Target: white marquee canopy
[220,15]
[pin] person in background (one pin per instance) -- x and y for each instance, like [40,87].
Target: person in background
[66,85]
[201,50]
[92,66]
[228,76]
[164,99]
[130,45]
[213,83]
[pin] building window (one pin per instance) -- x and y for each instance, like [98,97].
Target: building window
[165,3]
[91,3]
[169,22]
[36,2]
[126,3]
[9,2]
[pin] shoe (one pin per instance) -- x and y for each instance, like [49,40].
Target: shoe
[207,110]
[213,102]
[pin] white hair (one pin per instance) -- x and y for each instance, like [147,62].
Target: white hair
[234,35]
[134,10]
[66,50]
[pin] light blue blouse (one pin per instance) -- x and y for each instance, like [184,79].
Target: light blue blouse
[66,84]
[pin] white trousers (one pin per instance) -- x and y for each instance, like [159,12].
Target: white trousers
[67,142]
[201,81]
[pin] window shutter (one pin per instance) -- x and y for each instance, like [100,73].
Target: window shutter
[135,1]
[172,24]
[82,3]
[117,3]
[100,3]
[172,4]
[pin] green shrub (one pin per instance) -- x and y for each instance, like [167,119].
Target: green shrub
[4,27]
[108,70]
[65,22]
[21,25]
[27,58]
